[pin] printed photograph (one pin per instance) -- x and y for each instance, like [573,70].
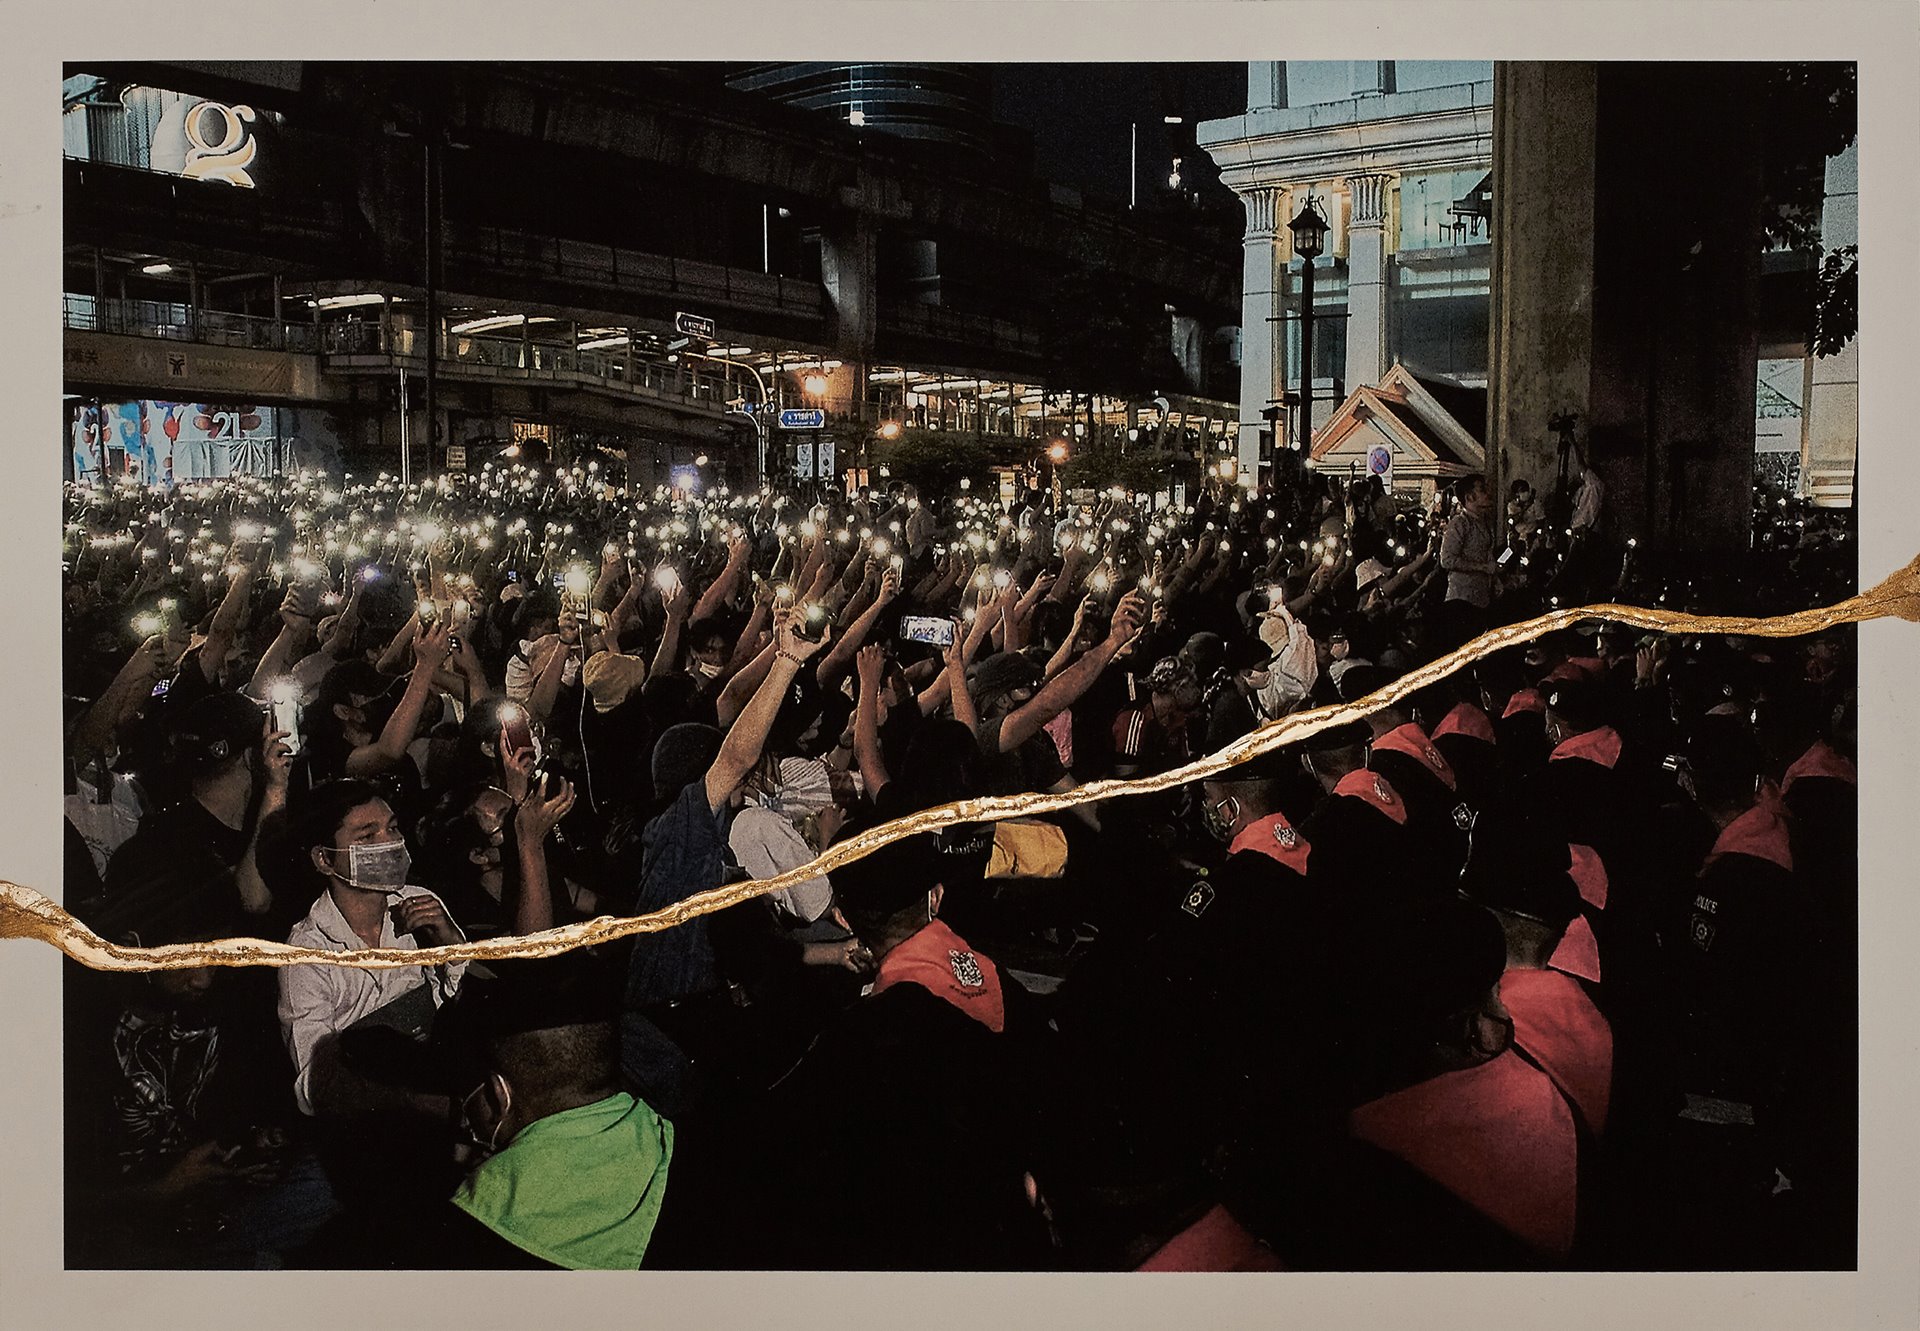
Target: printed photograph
[504,496]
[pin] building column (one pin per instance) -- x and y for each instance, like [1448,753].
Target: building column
[1266,85]
[848,254]
[1833,398]
[1541,336]
[1367,280]
[1262,335]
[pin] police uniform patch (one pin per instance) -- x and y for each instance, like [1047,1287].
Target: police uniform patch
[1198,898]
[1380,789]
[1285,835]
[965,969]
[1464,818]
[1702,932]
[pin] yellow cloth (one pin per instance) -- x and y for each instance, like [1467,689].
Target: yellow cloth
[1024,849]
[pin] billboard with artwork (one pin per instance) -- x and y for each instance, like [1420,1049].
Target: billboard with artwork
[158,443]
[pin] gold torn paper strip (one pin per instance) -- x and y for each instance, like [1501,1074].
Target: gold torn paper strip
[25,913]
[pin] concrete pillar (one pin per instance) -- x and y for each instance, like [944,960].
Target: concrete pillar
[1266,85]
[847,270]
[1367,280]
[1540,333]
[1370,78]
[1676,303]
[1262,336]
[1833,396]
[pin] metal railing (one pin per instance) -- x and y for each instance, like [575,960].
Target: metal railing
[181,323]
[497,250]
[511,356]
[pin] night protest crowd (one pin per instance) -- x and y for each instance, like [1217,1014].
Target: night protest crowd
[1550,965]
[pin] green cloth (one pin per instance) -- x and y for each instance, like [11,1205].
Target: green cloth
[581,1188]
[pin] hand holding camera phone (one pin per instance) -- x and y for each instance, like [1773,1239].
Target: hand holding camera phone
[811,624]
[926,629]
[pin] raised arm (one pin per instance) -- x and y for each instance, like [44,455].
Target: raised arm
[532,822]
[866,721]
[666,657]
[289,645]
[429,653]
[747,736]
[1060,692]
[721,591]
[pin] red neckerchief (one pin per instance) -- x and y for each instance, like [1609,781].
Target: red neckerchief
[1524,700]
[1820,760]
[1600,745]
[1558,1026]
[939,961]
[1589,875]
[1760,832]
[1498,1136]
[1578,953]
[1588,665]
[1372,788]
[1276,838]
[1411,740]
[1466,719]
[1564,671]
[1214,1242]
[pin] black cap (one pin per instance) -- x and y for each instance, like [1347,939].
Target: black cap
[1352,735]
[1356,682]
[1205,653]
[217,729]
[1520,865]
[1579,701]
[999,674]
[1273,765]
[1424,962]
[542,993]
[682,755]
[1247,653]
[890,879]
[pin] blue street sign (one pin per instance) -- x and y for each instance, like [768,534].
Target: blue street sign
[803,418]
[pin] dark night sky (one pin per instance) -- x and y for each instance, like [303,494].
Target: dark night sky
[1079,115]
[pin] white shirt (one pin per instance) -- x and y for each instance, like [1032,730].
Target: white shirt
[321,1001]
[766,843]
[520,668]
[1586,504]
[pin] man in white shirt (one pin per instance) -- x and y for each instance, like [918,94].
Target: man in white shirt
[353,841]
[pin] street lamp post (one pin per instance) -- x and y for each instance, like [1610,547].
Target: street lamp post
[1309,230]
[1056,458]
[766,406]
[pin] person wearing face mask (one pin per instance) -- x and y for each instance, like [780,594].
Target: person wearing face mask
[1241,807]
[353,844]
[1295,662]
[575,1172]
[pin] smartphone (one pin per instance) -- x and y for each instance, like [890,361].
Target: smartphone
[429,612]
[1505,555]
[515,729]
[924,628]
[286,716]
[813,624]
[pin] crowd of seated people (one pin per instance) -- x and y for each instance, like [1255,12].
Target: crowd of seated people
[1550,964]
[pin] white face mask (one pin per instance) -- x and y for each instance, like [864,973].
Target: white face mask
[377,866]
[706,670]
